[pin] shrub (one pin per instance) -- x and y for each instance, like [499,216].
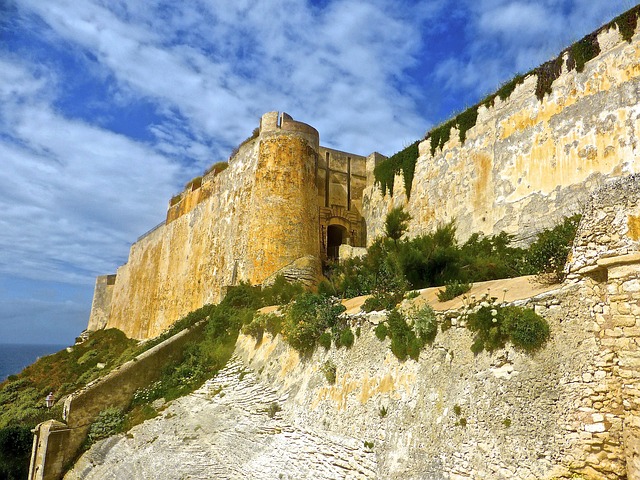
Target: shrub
[527,329]
[15,451]
[307,318]
[452,290]
[107,423]
[403,339]
[548,254]
[329,370]
[281,291]
[396,223]
[494,325]
[216,168]
[424,323]
[325,340]
[381,331]
[379,301]
[346,337]
[255,328]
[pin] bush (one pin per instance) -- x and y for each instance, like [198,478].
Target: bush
[403,339]
[15,451]
[347,338]
[107,423]
[453,290]
[494,325]
[548,254]
[527,330]
[396,223]
[306,319]
[381,331]
[329,370]
[325,340]
[424,323]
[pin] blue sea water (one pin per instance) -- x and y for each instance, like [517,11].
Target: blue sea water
[14,357]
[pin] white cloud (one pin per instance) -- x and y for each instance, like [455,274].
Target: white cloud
[72,195]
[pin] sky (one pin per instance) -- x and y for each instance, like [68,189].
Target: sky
[107,108]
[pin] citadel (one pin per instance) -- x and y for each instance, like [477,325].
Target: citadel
[286,205]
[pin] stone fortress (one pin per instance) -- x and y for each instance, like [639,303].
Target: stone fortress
[285,205]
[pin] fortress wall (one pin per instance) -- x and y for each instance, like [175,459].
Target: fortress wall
[527,163]
[283,217]
[245,223]
[101,304]
[184,264]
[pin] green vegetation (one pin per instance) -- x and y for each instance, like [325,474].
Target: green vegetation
[391,266]
[175,199]
[583,51]
[626,23]
[548,254]
[108,422]
[329,370]
[405,161]
[494,325]
[396,223]
[15,451]
[216,168]
[194,183]
[452,290]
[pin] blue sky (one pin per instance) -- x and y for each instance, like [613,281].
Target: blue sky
[108,107]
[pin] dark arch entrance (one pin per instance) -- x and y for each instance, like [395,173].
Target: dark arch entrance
[336,236]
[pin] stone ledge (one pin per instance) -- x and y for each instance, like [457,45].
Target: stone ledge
[606,263]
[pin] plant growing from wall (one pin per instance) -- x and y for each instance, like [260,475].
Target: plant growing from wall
[216,168]
[494,325]
[405,161]
[329,370]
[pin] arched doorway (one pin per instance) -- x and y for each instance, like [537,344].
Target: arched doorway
[336,236]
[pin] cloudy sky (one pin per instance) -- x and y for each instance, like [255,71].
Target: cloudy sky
[107,107]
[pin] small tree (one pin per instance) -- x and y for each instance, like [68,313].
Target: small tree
[396,223]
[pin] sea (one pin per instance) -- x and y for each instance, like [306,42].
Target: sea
[14,357]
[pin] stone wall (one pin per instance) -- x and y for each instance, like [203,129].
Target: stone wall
[527,163]
[101,304]
[254,218]
[185,263]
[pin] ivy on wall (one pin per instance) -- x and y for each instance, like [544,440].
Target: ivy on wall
[404,160]
[577,54]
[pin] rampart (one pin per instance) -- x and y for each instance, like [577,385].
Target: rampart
[246,223]
[528,162]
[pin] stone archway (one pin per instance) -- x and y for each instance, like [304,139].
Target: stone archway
[336,236]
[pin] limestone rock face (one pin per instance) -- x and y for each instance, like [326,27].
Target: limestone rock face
[231,428]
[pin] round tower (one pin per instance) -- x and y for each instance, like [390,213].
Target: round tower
[284,220]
